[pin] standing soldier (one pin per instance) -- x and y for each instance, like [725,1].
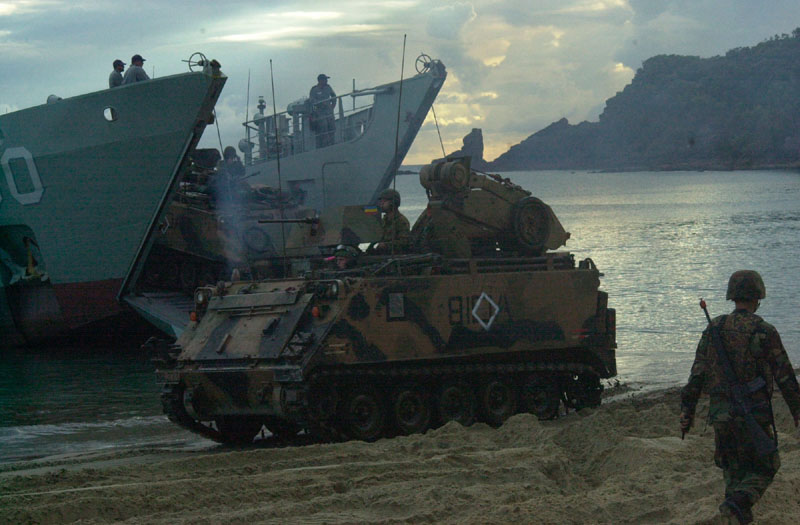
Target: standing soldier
[756,357]
[396,236]
[115,78]
[323,100]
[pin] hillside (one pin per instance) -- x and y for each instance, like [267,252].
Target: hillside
[737,111]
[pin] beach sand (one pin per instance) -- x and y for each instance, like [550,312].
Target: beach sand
[623,462]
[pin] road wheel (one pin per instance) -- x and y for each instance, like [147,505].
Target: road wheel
[498,401]
[364,415]
[238,431]
[412,410]
[456,402]
[541,396]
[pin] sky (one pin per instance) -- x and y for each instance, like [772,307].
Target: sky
[514,66]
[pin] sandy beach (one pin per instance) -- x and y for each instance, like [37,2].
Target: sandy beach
[623,462]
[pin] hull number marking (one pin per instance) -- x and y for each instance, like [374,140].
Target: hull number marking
[31,197]
[472,309]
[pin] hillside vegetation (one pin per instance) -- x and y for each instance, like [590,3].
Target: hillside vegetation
[737,111]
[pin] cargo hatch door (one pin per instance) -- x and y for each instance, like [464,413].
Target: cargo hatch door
[252,326]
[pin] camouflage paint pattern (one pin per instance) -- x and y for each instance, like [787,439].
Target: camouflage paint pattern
[282,331]
[469,213]
[754,350]
[408,341]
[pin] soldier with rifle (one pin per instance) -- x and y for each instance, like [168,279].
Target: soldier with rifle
[738,358]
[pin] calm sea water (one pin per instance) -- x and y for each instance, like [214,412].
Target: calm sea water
[662,241]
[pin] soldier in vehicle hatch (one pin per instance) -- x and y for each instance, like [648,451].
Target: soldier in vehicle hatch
[396,236]
[757,357]
[345,257]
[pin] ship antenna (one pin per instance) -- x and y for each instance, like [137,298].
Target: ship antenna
[436,121]
[219,137]
[278,158]
[247,105]
[397,130]
[247,112]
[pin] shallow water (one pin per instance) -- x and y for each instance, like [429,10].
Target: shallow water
[662,241]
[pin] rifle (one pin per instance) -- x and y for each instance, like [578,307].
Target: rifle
[739,393]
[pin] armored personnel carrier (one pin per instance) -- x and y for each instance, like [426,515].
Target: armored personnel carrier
[216,224]
[485,323]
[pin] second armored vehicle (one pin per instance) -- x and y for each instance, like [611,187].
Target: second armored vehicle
[403,343]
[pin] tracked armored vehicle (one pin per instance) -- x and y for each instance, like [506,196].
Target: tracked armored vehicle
[215,225]
[401,343]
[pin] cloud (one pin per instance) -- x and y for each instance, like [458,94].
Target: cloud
[446,22]
[596,6]
[19,7]
[297,33]
[514,66]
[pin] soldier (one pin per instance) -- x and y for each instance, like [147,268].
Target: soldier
[345,256]
[323,100]
[232,164]
[115,78]
[135,72]
[757,357]
[396,230]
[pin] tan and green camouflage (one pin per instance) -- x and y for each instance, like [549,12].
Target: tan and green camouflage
[755,350]
[471,214]
[398,344]
[745,285]
[202,240]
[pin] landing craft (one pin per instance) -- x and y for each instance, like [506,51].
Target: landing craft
[201,242]
[81,182]
[485,321]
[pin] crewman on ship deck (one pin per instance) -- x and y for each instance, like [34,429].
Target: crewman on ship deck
[135,72]
[115,78]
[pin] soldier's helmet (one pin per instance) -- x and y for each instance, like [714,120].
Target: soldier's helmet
[345,250]
[745,285]
[229,153]
[390,195]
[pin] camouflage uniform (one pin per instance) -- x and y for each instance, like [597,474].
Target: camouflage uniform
[396,230]
[754,349]
[394,225]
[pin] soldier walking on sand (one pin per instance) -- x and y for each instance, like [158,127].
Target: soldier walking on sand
[757,357]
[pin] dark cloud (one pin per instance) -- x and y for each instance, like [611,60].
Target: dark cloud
[703,27]
[515,65]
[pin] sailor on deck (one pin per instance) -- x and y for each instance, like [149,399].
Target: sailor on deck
[115,78]
[135,72]
[323,100]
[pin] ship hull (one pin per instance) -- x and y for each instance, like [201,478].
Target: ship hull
[81,183]
[369,147]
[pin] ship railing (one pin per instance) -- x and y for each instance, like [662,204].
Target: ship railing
[297,133]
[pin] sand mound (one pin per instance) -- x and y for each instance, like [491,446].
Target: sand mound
[621,463]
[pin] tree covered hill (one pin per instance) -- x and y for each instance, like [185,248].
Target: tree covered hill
[737,111]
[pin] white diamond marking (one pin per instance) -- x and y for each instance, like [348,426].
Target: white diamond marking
[485,324]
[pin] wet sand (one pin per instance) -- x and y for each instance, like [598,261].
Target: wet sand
[623,462]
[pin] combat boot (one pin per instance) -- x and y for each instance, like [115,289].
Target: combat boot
[737,506]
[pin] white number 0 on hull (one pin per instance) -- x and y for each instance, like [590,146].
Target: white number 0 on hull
[31,197]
